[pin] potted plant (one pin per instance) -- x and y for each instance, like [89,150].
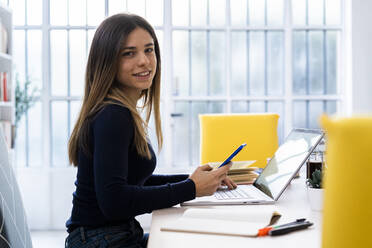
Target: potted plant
[315,190]
[24,100]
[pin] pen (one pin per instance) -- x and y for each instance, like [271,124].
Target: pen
[285,228]
[290,228]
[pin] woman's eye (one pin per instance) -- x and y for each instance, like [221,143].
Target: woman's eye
[149,50]
[127,54]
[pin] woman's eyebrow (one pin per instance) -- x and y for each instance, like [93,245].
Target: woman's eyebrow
[134,48]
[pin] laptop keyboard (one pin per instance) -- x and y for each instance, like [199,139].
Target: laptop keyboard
[226,194]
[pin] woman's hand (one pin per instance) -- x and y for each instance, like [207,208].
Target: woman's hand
[229,183]
[207,180]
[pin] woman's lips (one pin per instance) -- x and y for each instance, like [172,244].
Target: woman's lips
[142,75]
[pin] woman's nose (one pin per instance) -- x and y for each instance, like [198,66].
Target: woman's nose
[143,60]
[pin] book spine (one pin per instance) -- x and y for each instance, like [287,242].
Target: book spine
[5,87]
[1,86]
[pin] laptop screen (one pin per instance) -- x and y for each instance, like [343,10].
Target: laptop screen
[287,160]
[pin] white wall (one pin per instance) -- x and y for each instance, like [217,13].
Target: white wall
[361,62]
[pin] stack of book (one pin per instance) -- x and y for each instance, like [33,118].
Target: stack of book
[240,172]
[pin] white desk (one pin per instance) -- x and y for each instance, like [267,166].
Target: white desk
[293,204]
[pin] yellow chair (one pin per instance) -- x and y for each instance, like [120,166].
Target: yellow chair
[348,185]
[221,134]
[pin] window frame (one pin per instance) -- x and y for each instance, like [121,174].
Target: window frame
[168,99]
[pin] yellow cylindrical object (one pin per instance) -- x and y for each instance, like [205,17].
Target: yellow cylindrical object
[347,213]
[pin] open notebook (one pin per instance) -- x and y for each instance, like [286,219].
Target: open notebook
[237,222]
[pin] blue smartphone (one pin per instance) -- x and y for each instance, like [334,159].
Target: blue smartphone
[232,155]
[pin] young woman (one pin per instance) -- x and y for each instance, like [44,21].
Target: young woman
[109,142]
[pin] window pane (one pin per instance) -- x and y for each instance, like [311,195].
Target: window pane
[239,107]
[299,62]
[238,12]
[137,7]
[315,12]
[217,60]
[299,12]
[217,10]
[34,56]
[20,144]
[18,7]
[315,110]
[160,35]
[257,107]
[275,12]
[196,108]
[198,63]
[331,107]
[154,12]
[332,61]
[299,114]
[217,107]
[34,12]
[256,12]
[59,134]
[275,63]
[181,135]
[316,66]
[277,107]
[180,12]
[77,61]
[77,12]
[257,63]
[95,12]
[58,54]
[35,141]
[333,12]
[75,107]
[116,6]
[160,157]
[58,12]
[238,85]
[180,63]
[198,12]
[19,54]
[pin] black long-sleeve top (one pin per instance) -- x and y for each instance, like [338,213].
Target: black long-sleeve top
[116,183]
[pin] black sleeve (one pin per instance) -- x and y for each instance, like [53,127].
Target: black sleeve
[112,132]
[163,179]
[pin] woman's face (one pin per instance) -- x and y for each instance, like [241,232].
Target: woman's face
[137,63]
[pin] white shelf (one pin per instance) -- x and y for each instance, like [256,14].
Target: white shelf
[5,56]
[6,104]
[7,109]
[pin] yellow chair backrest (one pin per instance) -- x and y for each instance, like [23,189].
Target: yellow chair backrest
[221,134]
[347,210]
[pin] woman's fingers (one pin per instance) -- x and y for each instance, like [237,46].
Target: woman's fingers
[229,183]
[205,167]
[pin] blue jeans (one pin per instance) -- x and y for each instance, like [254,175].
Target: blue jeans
[127,235]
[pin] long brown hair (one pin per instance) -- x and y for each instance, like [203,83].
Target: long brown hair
[102,87]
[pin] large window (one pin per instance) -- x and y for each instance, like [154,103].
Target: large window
[219,56]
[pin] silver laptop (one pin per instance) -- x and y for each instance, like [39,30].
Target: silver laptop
[275,177]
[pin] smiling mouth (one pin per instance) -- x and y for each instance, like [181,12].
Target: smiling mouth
[142,74]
